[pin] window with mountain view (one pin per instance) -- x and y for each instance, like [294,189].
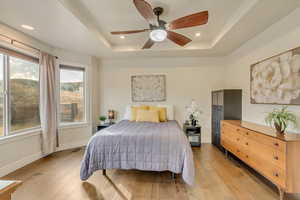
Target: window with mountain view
[24,94]
[19,93]
[72,94]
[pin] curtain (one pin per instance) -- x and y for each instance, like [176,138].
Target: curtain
[48,103]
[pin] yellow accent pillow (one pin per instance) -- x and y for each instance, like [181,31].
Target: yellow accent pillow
[162,112]
[134,110]
[147,116]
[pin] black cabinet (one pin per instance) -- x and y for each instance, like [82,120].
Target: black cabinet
[226,105]
[194,134]
[103,126]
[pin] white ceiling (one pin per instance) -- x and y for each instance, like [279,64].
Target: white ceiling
[84,25]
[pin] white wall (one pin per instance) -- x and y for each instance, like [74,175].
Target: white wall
[17,151]
[187,79]
[276,39]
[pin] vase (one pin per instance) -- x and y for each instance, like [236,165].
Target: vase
[194,122]
[279,129]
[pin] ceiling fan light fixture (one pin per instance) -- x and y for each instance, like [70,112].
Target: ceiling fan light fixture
[158,35]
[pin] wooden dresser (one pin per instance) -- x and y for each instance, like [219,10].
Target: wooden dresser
[276,157]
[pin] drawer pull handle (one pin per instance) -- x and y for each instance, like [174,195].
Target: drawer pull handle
[276,157]
[238,151]
[276,174]
[237,139]
[237,129]
[247,156]
[247,143]
[247,133]
[276,144]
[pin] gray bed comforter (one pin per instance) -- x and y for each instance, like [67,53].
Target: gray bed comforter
[140,145]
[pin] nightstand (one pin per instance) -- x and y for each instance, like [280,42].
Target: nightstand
[194,134]
[103,126]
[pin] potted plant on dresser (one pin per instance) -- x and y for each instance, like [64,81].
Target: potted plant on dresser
[280,119]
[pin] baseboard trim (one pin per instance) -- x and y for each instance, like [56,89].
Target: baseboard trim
[11,167]
[73,145]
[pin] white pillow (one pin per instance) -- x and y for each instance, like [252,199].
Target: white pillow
[170,111]
[127,114]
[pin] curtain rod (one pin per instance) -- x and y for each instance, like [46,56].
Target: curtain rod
[22,43]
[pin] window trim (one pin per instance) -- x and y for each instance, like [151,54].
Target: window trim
[32,129]
[6,106]
[79,67]
[13,53]
[21,135]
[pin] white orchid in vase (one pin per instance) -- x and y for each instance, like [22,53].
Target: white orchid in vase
[193,113]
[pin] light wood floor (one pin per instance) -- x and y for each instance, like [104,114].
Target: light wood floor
[217,178]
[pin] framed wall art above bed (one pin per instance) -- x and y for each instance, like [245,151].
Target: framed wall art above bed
[276,80]
[148,88]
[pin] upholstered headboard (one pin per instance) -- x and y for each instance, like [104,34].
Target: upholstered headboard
[170,110]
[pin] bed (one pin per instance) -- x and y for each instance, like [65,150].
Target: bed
[140,145]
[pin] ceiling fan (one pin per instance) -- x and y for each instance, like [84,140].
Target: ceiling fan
[159,29]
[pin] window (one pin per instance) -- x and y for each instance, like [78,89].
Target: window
[24,94]
[72,94]
[19,93]
[1,96]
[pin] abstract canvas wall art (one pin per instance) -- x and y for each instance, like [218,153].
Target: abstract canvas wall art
[276,80]
[148,88]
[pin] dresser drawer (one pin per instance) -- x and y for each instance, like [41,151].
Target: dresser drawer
[235,148]
[227,144]
[230,132]
[264,139]
[270,171]
[265,152]
[234,137]
[231,128]
[232,144]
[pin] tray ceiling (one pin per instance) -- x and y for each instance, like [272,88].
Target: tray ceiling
[84,25]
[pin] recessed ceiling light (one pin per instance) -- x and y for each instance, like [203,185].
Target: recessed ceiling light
[122,37]
[197,34]
[27,27]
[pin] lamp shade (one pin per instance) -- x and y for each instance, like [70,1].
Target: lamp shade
[111,114]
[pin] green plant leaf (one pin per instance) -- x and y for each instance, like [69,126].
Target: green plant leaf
[282,117]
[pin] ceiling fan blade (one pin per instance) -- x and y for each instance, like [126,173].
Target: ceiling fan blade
[128,32]
[190,21]
[145,10]
[178,38]
[148,44]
